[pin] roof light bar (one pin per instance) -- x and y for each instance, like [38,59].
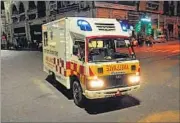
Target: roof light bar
[84,25]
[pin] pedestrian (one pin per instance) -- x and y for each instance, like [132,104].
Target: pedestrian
[166,35]
[34,44]
[19,43]
[148,41]
[7,44]
[138,39]
[15,43]
[141,40]
[133,41]
[3,43]
[28,44]
[25,42]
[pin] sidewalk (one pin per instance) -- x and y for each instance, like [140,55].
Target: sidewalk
[23,49]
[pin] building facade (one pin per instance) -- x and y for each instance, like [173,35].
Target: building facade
[6,19]
[171,17]
[3,24]
[26,17]
[165,15]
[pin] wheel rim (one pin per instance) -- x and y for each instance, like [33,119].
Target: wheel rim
[76,92]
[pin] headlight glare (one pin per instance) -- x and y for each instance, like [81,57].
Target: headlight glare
[96,84]
[134,79]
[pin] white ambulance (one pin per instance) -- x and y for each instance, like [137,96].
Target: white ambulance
[90,56]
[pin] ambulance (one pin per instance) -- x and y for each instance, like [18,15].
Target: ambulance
[92,57]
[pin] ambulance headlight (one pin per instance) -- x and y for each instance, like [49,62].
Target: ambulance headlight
[96,83]
[84,25]
[134,79]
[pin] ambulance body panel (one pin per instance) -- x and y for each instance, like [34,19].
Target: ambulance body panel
[55,48]
[60,56]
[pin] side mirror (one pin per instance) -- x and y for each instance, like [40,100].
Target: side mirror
[75,49]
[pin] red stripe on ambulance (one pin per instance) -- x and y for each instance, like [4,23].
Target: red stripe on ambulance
[90,72]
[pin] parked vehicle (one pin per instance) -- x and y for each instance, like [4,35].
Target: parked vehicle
[160,39]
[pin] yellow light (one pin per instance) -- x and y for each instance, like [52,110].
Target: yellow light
[137,73]
[95,77]
[96,84]
[134,79]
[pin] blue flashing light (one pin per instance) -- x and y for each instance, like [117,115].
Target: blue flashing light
[84,25]
[124,26]
[131,27]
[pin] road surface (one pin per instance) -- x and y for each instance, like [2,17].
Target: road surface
[27,96]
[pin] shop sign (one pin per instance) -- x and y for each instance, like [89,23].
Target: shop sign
[171,20]
[114,6]
[150,6]
[22,33]
[69,8]
[37,33]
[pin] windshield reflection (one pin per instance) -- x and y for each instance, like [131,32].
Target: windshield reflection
[110,49]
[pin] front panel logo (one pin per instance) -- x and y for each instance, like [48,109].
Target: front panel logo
[116,67]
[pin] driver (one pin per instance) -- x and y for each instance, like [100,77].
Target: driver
[81,52]
[108,51]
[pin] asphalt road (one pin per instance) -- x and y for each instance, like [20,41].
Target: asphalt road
[27,96]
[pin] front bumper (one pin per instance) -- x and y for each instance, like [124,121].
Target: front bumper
[110,92]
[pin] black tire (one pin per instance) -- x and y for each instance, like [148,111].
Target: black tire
[52,76]
[78,96]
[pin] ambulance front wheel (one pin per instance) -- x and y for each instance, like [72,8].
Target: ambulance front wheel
[78,96]
[52,75]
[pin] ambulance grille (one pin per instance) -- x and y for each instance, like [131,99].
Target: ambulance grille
[105,26]
[115,81]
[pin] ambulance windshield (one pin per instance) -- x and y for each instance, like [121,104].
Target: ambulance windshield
[110,49]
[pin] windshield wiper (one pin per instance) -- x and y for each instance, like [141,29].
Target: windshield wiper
[121,59]
[100,60]
[124,59]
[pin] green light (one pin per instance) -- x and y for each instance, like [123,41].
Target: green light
[148,29]
[138,27]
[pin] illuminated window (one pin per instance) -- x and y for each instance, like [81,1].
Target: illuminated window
[79,49]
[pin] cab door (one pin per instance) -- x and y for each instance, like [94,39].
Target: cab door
[78,61]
